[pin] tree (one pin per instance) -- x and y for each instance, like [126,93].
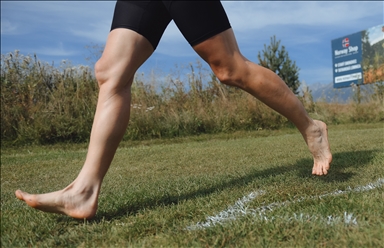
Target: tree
[373,60]
[277,60]
[368,51]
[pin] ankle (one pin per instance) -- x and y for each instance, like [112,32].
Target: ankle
[81,186]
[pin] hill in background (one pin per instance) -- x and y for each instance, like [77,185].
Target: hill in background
[326,92]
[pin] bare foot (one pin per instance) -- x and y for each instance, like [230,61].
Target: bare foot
[79,204]
[317,141]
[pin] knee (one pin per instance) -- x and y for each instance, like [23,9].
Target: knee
[113,75]
[231,75]
[101,72]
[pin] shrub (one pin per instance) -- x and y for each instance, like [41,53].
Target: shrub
[44,104]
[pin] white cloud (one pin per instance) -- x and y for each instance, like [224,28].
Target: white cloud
[91,20]
[8,28]
[58,50]
[250,15]
[85,19]
[376,34]
[251,19]
[95,33]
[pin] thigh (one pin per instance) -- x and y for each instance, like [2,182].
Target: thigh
[198,20]
[148,18]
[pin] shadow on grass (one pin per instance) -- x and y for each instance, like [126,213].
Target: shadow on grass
[340,162]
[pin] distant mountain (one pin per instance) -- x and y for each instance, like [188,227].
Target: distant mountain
[326,92]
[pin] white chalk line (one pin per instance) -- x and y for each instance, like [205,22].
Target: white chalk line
[240,209]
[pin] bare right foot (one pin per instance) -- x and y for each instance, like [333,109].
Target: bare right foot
[79,204]
[317,141]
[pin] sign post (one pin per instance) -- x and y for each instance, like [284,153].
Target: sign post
[353,55]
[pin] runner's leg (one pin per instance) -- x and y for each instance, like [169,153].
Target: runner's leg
[125,51]
[206,27]
[221,52]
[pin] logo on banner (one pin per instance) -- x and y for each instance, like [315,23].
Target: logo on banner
[345,42]
[348,49]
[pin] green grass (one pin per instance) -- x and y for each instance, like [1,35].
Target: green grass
[155,189]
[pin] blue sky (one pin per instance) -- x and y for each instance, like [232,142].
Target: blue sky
[60,30]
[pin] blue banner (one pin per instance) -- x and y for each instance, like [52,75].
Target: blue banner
[347,60]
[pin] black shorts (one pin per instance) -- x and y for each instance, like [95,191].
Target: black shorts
[197,20]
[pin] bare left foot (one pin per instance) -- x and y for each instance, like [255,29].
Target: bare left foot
[317,140]
[79,204]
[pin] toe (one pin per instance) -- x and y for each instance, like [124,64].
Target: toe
[19,194]
[325,171]
[317,171]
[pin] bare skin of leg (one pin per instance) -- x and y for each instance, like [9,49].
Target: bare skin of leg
[124,53]
[221,52]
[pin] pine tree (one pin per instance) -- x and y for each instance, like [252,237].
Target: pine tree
[277,60]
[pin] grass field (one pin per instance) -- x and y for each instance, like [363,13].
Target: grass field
[246,189]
